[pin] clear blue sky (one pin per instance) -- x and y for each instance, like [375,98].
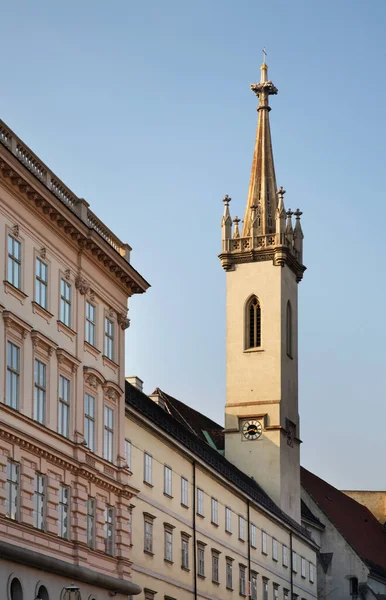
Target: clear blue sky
[144,109]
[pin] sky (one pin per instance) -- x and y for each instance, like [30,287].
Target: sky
[144,109]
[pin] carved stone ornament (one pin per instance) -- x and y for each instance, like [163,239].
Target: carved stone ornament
[81,285]
[67,273]
[43,253]
[15,230]
[92,381]
[123,321]
[111,313]
[111,394]
[92,295]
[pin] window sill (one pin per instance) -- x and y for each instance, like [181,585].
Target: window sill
[275,559]
[150,485]
[167,495]
[215,524]
[229,588]
[9,288]
[169,562]
[241,540]
[185,569]
[41,311]
[228,532]
[285,566]
[63,328]
[184,505]
[201,516]
[148,552]
[107,362]
[201,576]
[215,582]
[91,349]
[242,595]
[254,350]
[265,553]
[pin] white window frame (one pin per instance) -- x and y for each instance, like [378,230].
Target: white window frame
[108,433]
[184,552]
[40,390]
[285,555]
[253,536]
[64,512]
[147,468]
[265,588]
[14,262]
[303,567]
[184,492]
[90,324]
[168,481]
[109,338]
[228,519]
[200,502]
[214,511]
[109,530]
[264,542]
[200,560]
[89,420]
[242,580]
[64,406]
[148,534]
[275,592]
[274,549]
[65,312]
[215,566]
[12,397]
[41,282]
[91,523]
[242,528]
[40,501]
[168,544]
[312,573]
[294,562]
[229,574]
[128,453]
[12,498]
[253,586]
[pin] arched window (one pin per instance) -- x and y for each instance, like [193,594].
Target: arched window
[42,593]
[253,320]
[16,590]
[289,329]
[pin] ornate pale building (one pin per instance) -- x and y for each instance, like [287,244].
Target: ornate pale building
[65,490]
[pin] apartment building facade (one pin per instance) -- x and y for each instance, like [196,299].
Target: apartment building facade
[65,491]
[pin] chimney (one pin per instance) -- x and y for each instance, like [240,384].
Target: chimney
[136,382]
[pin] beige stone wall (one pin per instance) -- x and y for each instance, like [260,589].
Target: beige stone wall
[169,579]
[374,501]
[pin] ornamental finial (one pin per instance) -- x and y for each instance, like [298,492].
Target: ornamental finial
[226,199]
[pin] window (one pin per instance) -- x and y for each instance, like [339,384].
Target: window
[254,586]
[294,562]
[40,502]
[168,480]
[90,323]
[253,536]
[242,587]
[289,329]
[148,468]
[12,491]
[303,567]
[228,520]
[241,528]
[109,530]
[65,302]
[354,588]
[149,595]
[214,511]
[285,556]
[184,492]
[253,323]
[16,590]
[275,592]
[201,560]
[264,542]
[128,454]
[184,552]
[64,511]
[274,549]
[41,282]
[89,421]
[285,594]
[13,375]
[215,567]
[168,544]
[108,444]
[91,523]
[148,543]
[14,262]
[229,581]
[64,406]
[42,593]
[40,391]
[265,589]
[200,502]
[109,338]
[312,575]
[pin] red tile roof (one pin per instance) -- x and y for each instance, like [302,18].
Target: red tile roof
[355,522]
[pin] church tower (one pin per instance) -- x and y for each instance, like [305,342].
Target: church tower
[263,267]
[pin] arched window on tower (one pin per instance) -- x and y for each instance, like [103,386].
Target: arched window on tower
[289,329]
[253,322]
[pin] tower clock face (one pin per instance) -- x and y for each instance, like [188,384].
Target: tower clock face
[252,430]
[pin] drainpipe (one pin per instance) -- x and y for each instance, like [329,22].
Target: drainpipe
[249,550]
[291,567]
[194,532]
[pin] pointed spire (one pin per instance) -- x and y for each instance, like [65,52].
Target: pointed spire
[280,212]
[236,232]
[298,235]
[262,185]
[226,223]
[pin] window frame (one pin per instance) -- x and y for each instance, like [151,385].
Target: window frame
[168,543]
[229,573]
[109,338]
[40,502]
[241,528]
[242,580]
[13,259]
[148,537]
[184,492]
[40,392]
[285,556]
[303,567]
[109,530]
[89,420]
[185,552]
[312,572]
[214,511]
[275,549]
[108,433]
[91,509]
[253,585]
[65,303]
[41,284]
[13,375]
[228,519]
[253,319]
[147,468]
[215,566]
[128,453]
[264,543]
[200,559]
[12,491]
[64,509]
[64,406]
[90,325]
[294,562]
[253,533]
[168,481]
[200,502]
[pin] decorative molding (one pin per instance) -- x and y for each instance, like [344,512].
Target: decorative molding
[67,274]
[110,313]
[81,285]
[70,333]
[92,295]
[42,312]
[43,253]
[123,321]
[12,321]
[39,339]
[14,291]
[15,230]
[65,357]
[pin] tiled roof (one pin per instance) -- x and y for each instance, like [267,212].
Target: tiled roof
[185,434]
[309,515]
[353,520]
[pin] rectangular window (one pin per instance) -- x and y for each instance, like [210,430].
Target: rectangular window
[285,556]
[64,512]
[254,586]
[40,502]
[90,323]
[214,511]
[264,542]
[294,562]
[241,528]
[285,594]
[168,545]
[201,560]
[242,587]
[13,376]
[64,406]
[312,576]
[184,552]
[253,536]
[14,262]
[148,468]
[128,454]
[275,592]
[168,473]
[40,389]
[12,491]
[228,520]
[148,543]
[274,549]
[109,530]
[91,523]
[109,338]
[229,581]
[303,567]
[215,567]
[200,502]
[41,283]
[265,589]
[184,492]
[65,302]
[89,421]
[108,442]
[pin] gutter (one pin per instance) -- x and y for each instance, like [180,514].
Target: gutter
[291,568]
[194,533]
